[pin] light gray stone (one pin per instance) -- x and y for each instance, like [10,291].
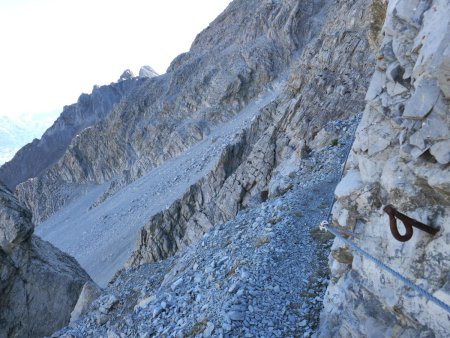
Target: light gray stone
[147,72]
[360,296]
[393,72]
[422,100]
[39,284]
[377,84]
[349,184]
[395,89]
[444,73]
[209,330]
[176,284]
[15,220]
[107,303]
[236,315]
[441,151]
[89,293]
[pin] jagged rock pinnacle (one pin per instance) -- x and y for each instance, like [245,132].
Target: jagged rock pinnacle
[126,75]
[147,71]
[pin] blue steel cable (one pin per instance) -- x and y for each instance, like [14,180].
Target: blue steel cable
[396,274]
[375,260]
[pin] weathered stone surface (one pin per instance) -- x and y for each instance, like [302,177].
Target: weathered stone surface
[422,100]
[147,71]
[261,158]
[39,285]
[444,75]
[230,63]
[349,184]
[409,169]
[126,75]
[35,158]
[15,221]
[441,151]
[89,293]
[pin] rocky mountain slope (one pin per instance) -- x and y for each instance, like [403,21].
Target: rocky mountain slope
[230,63]
[208,184]
[39,284]
[262,274]
[222,169]
[257,158]
[91,228]
[39,155]
[401,156]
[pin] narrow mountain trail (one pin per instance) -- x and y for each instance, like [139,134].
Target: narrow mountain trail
[261,274]
[102,238]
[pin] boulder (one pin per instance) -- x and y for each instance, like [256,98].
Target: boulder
[89,293]
[39,284]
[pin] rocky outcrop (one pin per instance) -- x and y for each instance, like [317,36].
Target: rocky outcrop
[400,156]
[39,285]
[230,63]
[36,157]
[330,86]
[147,71]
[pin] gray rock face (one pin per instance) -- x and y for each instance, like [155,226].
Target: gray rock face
[36,157]
[15,221]
[232,166]
[263,155]
[230,62]
[147,71]
[126,75]
[400,156]
[237,280]
[39,285]
[88,295]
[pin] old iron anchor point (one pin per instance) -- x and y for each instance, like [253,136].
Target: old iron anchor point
[408,222]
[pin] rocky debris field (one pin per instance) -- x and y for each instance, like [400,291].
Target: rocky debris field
[264,273]
[103,233]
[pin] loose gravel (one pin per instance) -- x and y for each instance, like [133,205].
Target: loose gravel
[262,274]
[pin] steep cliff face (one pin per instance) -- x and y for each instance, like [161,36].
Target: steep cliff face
[39,284]
[230,62]
[328,86]
[38,156]
[240,155]
[400,156]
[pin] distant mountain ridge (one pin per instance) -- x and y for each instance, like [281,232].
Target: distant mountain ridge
[16,132]
[37,156]
[229,64]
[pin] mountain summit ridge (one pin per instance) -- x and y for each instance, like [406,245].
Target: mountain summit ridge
[36,157]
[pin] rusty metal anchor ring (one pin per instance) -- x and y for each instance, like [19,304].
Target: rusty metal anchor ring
[408,222]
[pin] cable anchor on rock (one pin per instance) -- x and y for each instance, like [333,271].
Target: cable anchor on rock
[408,222]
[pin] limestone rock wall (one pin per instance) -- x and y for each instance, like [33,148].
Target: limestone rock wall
[400,156]
[39,284]
[328,80]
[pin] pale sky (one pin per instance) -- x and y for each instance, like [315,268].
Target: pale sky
[53,50]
